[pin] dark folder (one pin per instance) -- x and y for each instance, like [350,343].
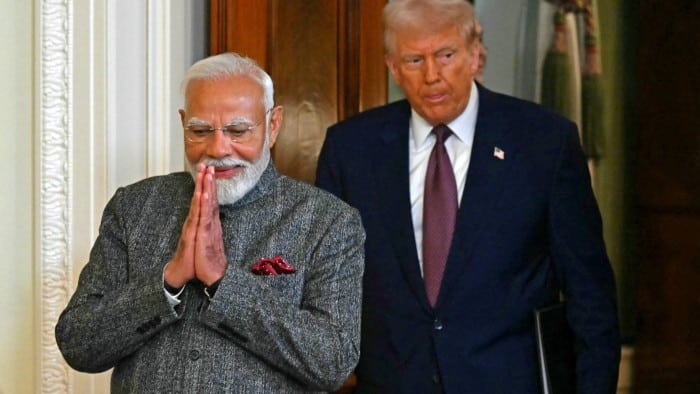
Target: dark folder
[555,350]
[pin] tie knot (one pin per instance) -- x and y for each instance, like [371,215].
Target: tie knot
[441,132]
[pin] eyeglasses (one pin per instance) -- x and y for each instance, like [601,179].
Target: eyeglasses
[240,132]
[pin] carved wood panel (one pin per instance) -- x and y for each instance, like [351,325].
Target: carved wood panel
[325,57]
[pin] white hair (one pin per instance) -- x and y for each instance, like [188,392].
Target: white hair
[230,64]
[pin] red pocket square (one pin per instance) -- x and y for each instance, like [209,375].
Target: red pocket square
[272,266]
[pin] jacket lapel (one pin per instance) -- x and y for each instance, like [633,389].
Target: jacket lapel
[393,193]
[484,184]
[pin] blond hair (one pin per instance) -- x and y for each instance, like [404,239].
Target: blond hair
[427,16]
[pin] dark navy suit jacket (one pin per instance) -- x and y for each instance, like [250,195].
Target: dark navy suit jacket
[528,228]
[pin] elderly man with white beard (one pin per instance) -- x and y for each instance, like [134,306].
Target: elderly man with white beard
[232,278]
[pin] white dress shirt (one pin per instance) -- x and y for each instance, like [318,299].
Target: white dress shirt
[459,148]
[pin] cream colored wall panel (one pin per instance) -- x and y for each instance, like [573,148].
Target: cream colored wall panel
[105,116]
[16,200]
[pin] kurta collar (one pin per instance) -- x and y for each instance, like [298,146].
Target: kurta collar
[264,186]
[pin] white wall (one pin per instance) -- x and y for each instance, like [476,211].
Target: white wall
[517,34]
[16,231]
[501,20]
[151,44]
[90,98]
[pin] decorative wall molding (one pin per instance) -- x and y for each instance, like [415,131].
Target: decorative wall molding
[160,111]
[55,145]
[107,81]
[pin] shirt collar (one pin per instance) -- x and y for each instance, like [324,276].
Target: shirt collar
[463,126]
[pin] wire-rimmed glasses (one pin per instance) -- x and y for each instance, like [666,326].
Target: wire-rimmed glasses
[238,132]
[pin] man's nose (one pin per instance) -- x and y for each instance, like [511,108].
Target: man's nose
[432,71]
[219,145]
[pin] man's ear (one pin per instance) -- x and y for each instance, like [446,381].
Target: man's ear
[391,66]
[474,56]
[276,115]
[182,117]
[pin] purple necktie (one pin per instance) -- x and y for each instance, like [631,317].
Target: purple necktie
[439,213]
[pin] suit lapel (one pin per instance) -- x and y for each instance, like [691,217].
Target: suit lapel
[393,194]
[484,184]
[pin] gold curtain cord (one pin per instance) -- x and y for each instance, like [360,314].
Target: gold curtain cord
[571,5]
[556,88]
[592,98]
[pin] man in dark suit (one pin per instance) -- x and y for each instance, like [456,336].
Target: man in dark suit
[527,227]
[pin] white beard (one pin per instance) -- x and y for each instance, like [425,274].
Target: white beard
[230,190]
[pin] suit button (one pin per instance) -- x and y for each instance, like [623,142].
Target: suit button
[437,324]
[436,378]
[194,355]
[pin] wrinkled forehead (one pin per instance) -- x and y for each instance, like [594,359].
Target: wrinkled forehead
[211,93]
[231,84]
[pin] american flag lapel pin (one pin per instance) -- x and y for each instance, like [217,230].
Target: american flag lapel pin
[499,153]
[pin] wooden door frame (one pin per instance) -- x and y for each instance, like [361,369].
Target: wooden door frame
[238,27]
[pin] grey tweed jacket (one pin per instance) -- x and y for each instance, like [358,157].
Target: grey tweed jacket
[258,334]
